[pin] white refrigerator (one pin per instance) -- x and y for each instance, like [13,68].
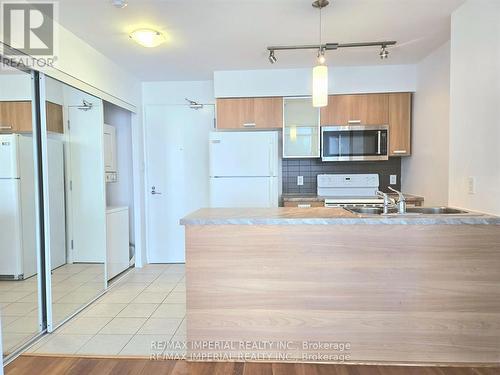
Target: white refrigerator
[18,257]
[244,169]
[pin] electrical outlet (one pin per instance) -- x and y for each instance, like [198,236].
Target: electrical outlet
[394,179]
[300,180]
[471,185]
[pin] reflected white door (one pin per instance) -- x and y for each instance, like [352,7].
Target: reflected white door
[87,187]
[177,175]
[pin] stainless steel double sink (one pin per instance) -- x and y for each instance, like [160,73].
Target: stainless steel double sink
[409,211]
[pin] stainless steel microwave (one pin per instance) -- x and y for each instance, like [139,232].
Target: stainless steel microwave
[355,142]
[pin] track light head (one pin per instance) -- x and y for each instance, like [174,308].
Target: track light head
[321,56]
[384,53]
[272,58]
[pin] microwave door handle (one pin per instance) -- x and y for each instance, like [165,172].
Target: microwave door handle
[379,136]
[340,145]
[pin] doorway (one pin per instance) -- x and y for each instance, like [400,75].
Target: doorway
[177,174]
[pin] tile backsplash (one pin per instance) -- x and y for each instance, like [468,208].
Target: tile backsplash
[310,168]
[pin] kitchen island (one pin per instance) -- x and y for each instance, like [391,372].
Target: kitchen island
[328,285]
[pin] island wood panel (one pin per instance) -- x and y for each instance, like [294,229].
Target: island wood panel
[398,293]
[52,365]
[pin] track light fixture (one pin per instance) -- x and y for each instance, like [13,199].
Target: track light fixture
[323,47]
[272,58]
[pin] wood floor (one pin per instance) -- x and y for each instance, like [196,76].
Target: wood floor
[29,365]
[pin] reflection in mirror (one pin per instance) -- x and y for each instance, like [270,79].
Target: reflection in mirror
[20,311]
[76,197]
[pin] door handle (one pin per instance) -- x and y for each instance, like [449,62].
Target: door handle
[379,135]
[154,192]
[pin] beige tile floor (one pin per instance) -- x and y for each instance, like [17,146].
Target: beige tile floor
[147,306]
[72,286]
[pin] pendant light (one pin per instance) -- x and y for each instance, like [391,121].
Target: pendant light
[320,71]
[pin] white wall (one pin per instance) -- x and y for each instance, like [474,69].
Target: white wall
[425,173]
[475,106]
[175,92]
[80,65]
[14,87]
[297,82]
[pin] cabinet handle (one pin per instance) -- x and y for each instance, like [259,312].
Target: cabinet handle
[303,206]
[249,125]
[354,122]
[5,127]
[400,152]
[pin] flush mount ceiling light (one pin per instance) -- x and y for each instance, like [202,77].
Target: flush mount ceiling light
[148,37]
[119,3]
[320,71]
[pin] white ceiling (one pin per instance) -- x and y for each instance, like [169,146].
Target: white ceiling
[209,35]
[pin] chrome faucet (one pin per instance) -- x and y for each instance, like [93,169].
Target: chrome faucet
[401,200]
[388,201]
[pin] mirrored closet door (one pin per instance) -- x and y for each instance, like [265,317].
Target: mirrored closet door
[21,296]
[76,198]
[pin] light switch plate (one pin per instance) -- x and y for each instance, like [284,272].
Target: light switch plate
[471,185]
[394,179]
[300,180]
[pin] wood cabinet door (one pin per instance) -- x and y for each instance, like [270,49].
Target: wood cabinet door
[15,117]
[363,109]
[400,124]
[370,109]
[235,113]
[338,110]
[268,113]
[54,117]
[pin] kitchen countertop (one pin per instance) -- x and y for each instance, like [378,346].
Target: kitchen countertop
[323,216]
[316,198]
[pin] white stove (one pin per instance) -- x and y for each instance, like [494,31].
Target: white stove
[349,190]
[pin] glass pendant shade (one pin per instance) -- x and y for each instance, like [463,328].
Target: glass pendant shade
[320,86]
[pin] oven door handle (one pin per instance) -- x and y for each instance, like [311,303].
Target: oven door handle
[379,141]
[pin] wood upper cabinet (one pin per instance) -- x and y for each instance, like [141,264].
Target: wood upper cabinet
[54,117]
[250,113]
[365,109]
[15,117]
[400,124]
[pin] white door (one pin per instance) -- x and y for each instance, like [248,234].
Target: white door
[243,154]
[57,209]
[177,175]
[87,187]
